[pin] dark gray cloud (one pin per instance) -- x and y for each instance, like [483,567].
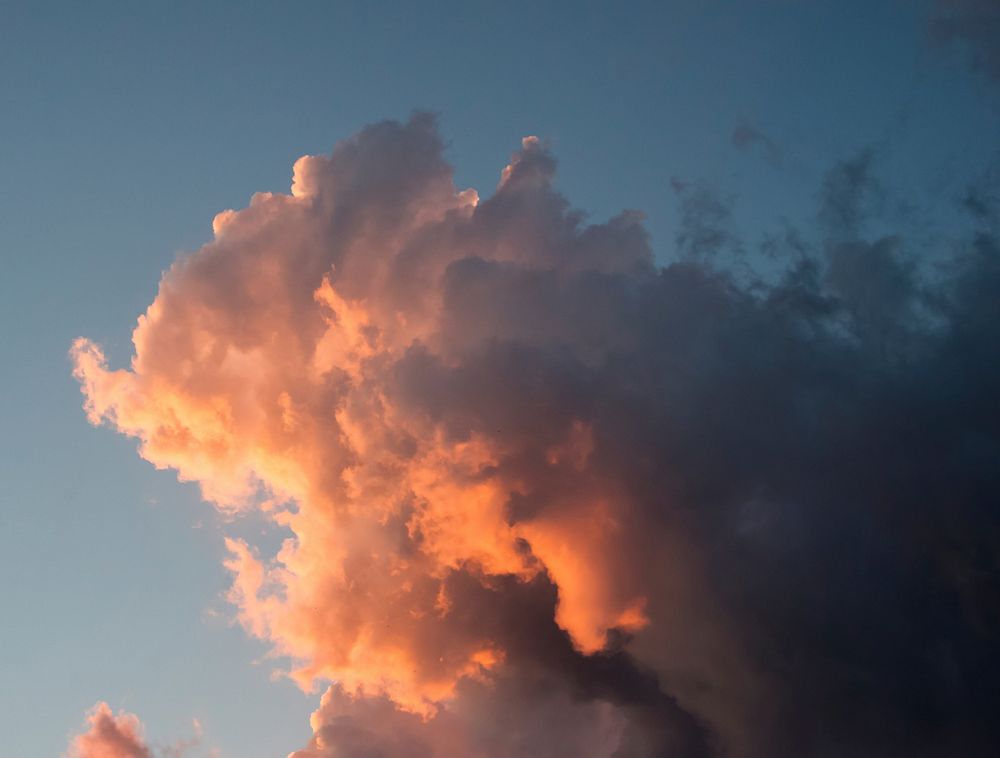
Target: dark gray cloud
[746,137]
[824,451]
[975,23]
[547,701]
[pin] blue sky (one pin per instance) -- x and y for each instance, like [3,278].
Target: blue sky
[125,127]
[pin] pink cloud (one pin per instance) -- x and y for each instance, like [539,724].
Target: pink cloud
[110,736]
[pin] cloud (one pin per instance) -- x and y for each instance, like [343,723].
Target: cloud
[110,736]
[546,497]
[554,724]
[746,136]
[121,736]
[975,23]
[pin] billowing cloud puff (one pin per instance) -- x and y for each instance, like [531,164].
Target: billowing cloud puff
[110,736]
[546,498]
[284,358]
[121,736]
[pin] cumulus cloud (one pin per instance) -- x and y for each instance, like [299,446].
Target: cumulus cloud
[110,736]
[121,736]
[546,497]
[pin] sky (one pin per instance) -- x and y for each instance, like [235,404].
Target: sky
[715,475]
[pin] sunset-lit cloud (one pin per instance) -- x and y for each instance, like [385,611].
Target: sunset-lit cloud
[110,736]
[122,736]
[544,497]
[273,364]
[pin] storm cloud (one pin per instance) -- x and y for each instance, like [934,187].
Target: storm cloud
[547,496]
